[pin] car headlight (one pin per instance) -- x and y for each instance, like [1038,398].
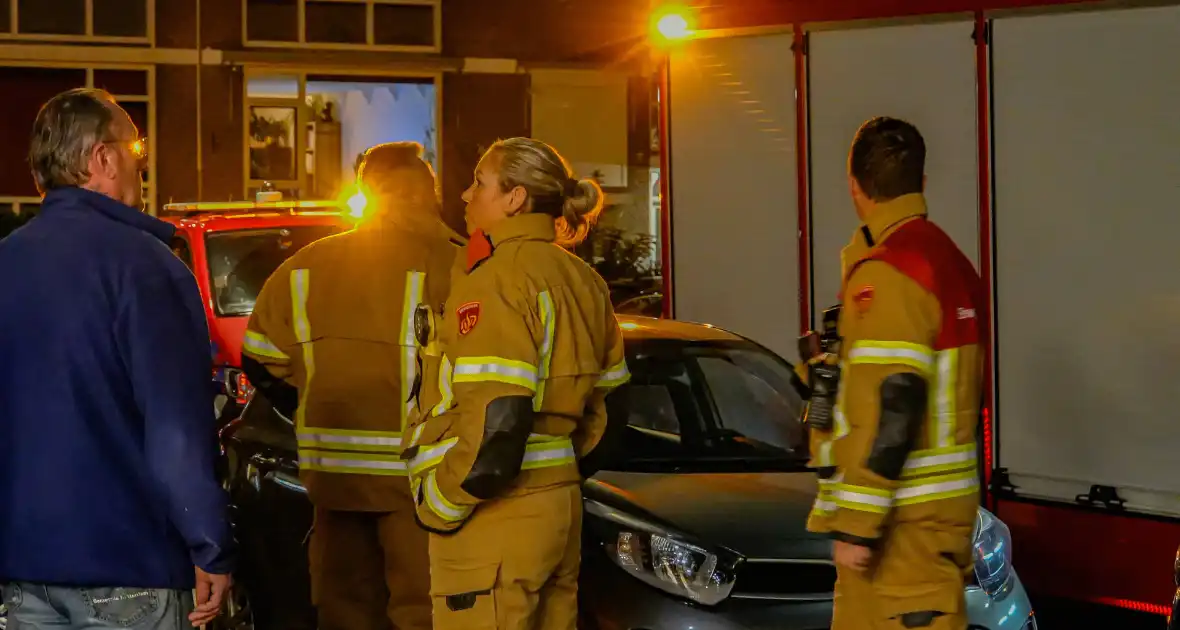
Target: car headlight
[665,559]
[993,555]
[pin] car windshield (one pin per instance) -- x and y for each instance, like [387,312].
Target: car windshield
[240,261]
[710,406]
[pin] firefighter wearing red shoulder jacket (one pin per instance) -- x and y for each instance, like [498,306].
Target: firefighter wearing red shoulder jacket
[331,344]
[527,349]
[897,461]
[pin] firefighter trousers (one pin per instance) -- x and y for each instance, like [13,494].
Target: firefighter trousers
[512,566]
[914,581]
[369,571]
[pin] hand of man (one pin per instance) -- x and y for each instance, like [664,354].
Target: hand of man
[211,591]
[851,556]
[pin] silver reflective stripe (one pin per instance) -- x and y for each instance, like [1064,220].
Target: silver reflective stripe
[945,395]
[475,369]
[964,484]
[964,455]
[440,505]
[300,286]
[614,376]
[359,440]
[892,352]
[259,344]
[547,457]
[413,297]
[548,317]
[323,462]
[444,387]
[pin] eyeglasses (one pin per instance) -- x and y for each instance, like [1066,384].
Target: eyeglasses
[138,147]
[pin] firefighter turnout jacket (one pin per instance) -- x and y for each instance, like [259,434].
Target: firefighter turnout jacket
[336,321]
[898,470]
[523,355]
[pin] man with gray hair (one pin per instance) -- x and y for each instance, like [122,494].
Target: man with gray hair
[113,513]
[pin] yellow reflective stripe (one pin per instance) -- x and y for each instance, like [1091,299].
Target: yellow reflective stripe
[483,369]
[825,458]
[430,456]
[351,463]
[911,492]
[542,451]
[444,387]
[548,317]
[841,426]
[823,500]
[351,440]
[614,376]
[937,488]
[439,504]
[257,343]
[417,435]
[300,285]
[892,353]
[940,460]
[410,301]
[862,498]
[942,418]
[548,454]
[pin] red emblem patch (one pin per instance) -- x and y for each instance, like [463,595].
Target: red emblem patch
[468,317]
[863,298]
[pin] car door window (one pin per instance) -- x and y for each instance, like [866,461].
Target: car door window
[652,409]
[753,399]
[183,251]
[663,413]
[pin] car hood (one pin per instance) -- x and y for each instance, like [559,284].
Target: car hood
[758,515]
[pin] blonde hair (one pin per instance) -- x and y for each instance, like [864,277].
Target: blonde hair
[552,188]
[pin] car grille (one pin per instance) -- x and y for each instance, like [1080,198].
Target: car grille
[785,579]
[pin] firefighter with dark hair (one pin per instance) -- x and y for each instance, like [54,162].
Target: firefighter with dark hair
[896,456]
[332,345]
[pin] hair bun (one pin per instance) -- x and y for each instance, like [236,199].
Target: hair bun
[583,198]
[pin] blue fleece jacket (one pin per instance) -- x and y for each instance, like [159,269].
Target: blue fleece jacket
[107,435]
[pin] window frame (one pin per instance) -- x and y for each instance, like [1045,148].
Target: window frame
[303,114]
[704,431]
[150,187]
[14,34]
[370,35]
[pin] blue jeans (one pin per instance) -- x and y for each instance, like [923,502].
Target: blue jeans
[40,607]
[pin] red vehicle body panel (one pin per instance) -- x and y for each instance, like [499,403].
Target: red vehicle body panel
[226,333]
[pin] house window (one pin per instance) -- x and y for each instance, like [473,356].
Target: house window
[103,21]
[305,132]
[26,88]
[391,25]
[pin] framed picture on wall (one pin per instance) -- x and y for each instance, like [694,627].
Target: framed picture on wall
[273,154]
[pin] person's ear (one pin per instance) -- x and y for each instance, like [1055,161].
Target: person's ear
[854,189]
[517,198]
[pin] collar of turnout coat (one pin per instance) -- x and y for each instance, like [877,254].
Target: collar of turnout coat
[891,214]
[528,226]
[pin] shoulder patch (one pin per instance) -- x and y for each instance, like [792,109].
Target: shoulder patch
[863,298]
[467,316]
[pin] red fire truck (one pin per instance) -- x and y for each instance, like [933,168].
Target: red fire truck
[1052,140]
[232,248]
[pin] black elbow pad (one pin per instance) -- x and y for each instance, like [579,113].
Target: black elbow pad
[903,409]
[801,388]
[508,421]
[282,395]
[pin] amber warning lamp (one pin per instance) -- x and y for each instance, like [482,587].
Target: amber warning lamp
[672,23]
